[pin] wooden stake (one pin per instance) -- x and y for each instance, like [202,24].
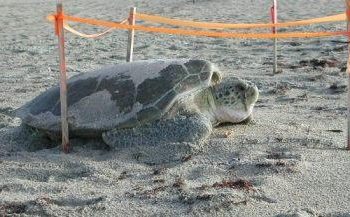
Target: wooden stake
[274,30]
[131,35]
[347,3]
[63,78]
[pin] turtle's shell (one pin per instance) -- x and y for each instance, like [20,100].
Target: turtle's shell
[119,96]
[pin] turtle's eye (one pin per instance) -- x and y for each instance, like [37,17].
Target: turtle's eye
[240,87]
[216,77]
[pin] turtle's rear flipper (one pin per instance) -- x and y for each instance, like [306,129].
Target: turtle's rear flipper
[162,141]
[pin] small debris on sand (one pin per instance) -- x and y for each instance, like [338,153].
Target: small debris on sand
[336,88]
[123,175]
[179,183]
[237,184]
[323,63]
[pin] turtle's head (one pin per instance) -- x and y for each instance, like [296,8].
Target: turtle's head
[234,100]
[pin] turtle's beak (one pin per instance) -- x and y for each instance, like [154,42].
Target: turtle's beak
[251,96]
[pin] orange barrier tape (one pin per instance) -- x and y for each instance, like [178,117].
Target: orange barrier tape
[97,35]
[72,30]
[202,33]
[207,25]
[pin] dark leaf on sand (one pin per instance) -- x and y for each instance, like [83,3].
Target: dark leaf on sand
[4,188]
[283,155]
[263,165]
[280,163]
[204,197]
[159,181]
[159,171]
[338,88]
[179,183]
[237,184]
[186,158]
[293,43]
[335,131]
[123,175]
[316,63]
[152,192]
[203,187]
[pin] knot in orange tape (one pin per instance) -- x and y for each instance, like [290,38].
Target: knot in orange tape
[57,18]
[58,21]
[348,13]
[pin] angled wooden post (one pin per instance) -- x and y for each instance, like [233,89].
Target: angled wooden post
[131,35]
[347,3]
[63,77]
[274,31]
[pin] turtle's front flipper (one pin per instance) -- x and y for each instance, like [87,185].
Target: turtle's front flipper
[162,141]
[191,129]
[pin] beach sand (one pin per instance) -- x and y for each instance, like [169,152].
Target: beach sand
[289,161]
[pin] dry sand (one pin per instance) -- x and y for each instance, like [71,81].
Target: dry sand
[289,161]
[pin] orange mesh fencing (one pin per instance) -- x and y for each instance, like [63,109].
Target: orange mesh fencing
[174,31]
[210,25]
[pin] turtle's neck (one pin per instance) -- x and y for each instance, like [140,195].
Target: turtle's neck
[205,102]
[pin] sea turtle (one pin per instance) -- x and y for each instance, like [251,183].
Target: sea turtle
[152,101]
